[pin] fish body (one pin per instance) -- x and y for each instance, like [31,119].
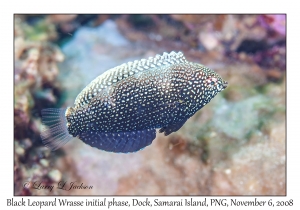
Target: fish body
[120,110]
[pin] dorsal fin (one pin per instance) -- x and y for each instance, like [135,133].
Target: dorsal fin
[154,62]
[125,70]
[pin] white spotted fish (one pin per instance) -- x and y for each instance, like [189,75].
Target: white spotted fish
[121,109]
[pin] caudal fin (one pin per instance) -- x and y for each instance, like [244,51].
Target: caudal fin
[55,132]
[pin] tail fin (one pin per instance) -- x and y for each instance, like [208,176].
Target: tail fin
[55,131]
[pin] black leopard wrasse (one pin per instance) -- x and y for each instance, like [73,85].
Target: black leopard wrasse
[121,109]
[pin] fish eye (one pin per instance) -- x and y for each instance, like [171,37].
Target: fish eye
[211,82]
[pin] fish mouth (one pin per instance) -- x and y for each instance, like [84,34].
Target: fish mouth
[225,84]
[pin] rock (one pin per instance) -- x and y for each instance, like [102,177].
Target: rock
[108,48]
[252,46]
[274,74]
[19,150]
[208,40]
[229,115]
[233,146]
[44,162]
[26,143]
[55,175]
[275,22]
[61,18]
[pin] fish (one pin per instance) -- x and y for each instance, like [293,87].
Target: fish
[121,110]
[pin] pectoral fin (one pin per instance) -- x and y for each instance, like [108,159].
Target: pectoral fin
[172,128]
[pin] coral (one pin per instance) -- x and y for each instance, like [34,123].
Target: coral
[274,22]
[35,71]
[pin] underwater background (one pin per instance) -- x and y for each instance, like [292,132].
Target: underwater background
[235,145]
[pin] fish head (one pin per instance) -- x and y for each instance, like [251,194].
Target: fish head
[211,82]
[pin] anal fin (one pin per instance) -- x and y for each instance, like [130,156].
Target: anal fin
[122,142]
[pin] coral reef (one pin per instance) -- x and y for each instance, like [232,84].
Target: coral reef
[35,87]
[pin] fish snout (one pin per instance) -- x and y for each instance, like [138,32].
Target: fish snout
[222,85]
[225,84]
